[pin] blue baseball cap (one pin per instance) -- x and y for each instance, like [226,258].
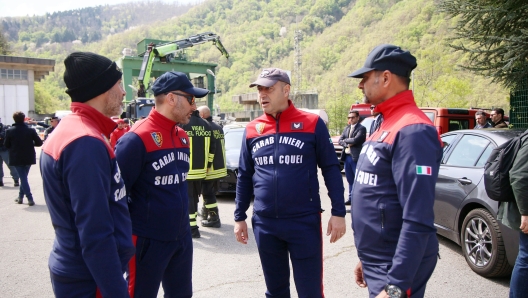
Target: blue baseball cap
[174,81]
[388,57]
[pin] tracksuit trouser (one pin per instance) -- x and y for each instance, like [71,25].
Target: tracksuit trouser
[376,276]
[300,238]
[65,287]
[165,262]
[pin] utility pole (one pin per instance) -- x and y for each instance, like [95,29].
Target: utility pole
[297,68]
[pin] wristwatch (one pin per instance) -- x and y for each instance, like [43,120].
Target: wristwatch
[395,292]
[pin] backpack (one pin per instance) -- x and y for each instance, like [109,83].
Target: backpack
[497,170]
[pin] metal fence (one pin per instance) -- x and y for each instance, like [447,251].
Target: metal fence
[519,105]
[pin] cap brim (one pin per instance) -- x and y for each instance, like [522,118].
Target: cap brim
[197,92]
[360,72]
[263,82]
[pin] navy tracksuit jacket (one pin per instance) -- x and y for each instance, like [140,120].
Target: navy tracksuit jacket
[154,160]
[393,196]
[86,200]
[278,164]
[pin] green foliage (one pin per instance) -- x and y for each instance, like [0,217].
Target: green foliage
[337,37]
[4,45]
[495,36]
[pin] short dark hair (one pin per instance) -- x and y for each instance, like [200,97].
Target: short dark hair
[499,111]
[480,113]
[19,117]
[354,112]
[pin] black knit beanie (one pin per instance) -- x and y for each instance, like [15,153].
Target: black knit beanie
[88,75]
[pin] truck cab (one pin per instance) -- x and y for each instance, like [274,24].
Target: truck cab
[139,108]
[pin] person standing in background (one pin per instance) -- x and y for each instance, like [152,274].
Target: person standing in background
[21,140]
[4,158]
[352,139]
[217,170]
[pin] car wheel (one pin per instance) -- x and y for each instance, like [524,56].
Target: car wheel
[482,244]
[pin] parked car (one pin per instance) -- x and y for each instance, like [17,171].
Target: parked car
[463,211]
[233,134]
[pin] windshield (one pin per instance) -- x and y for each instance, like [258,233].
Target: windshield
[143,110]
[233,139]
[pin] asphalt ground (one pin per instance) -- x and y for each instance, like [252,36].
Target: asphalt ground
[222,267]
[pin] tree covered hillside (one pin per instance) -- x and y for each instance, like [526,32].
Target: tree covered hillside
[337,37]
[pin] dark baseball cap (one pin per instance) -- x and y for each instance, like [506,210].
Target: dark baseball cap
[270,76]
[173,81]
[388,57]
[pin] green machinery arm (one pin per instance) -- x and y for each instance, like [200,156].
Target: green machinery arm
[166,52]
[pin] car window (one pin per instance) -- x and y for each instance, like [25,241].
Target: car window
[456,124]
[233,139]
[367,122]
[467,151]
[447,140]
[431,116]
[484,157]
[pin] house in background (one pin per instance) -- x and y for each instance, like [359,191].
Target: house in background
[17,76]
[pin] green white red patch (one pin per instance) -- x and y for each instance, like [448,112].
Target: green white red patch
[424,170]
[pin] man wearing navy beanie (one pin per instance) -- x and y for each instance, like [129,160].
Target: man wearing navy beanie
[84,191]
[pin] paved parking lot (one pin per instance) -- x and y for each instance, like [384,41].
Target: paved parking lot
[222,266]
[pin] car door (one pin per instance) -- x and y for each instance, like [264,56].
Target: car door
[460,172]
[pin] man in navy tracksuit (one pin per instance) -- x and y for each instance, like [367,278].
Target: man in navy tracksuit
[278,165]
[154,159]
[83,188]
[394,190]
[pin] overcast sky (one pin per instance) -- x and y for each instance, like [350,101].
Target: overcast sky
[15,8]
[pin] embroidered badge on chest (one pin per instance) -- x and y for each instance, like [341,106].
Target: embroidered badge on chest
[184,141]
[384,134]
[297,126]
[259,127]
[158,139]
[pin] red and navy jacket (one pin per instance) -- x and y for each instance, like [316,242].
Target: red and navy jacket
[87,203]
[394,191]
[278,164]
[154,160]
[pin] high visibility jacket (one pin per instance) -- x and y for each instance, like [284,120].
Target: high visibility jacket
[202,149]
[218,167]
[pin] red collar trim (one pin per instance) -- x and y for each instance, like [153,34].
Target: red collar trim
[103,123]
[402,100]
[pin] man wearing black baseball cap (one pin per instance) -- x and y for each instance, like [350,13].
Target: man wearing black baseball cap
[281,152]
[154,161]
[83,188]
[393,195]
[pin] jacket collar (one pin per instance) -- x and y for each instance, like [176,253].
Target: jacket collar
[161,120]
[289,110]
[403,100]
[103,123]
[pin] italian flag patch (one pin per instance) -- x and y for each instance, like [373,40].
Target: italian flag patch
[423,170]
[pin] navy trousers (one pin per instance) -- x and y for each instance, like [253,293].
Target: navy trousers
[165,262]
[300,238]
[350,172]
[519,278]
[376,276]
[64,287]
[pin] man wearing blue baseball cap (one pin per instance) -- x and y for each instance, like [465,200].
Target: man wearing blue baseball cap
[154,161]
[393,195]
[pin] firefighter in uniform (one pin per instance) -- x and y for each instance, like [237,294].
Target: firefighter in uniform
[202,155]
[217,170]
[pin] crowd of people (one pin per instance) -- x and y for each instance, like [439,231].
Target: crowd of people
[132,211]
